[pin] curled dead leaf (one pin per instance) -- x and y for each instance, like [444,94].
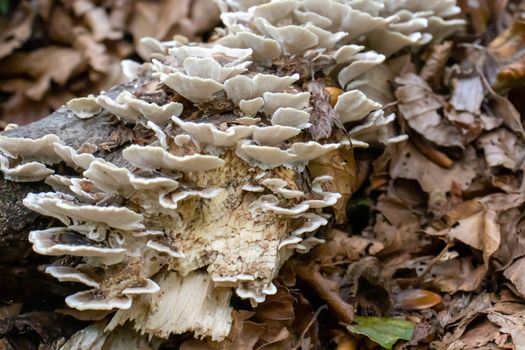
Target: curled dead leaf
[432,71]
[340,165]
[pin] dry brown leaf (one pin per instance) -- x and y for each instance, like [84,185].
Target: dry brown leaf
[156,18]
[482,12]
[98,33]
[476,228]
[409,163]
[419,106]
[502,148]
[512,244]
[432,71]
[453,275]
[244,334]
[511,324]
[516,274]
[15,29]
[507,49]
[21,110]
[60,25]
[94,52]
[467,94]
[98,21]
[480,336]
[45,65]
[204,16]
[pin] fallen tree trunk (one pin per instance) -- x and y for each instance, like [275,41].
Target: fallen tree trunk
[16,220]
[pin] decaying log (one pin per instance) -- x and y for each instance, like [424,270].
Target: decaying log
[15,219]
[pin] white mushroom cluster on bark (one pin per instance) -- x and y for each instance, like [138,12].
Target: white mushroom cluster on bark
[221,199]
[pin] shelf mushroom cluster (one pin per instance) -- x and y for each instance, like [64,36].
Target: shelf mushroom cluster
[223,191]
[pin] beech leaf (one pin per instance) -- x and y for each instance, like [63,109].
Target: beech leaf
[384,331]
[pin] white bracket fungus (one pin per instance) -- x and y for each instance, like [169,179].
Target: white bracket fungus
[353,106]
[27,172]
[275,100]
[119,108]
[167,250]
[71,157]
[151,158]
[88,300]
[63,241]
[63,207]
[41,149]
[209,134]
[84,107]
[193,88]
[151,111]
[71,274]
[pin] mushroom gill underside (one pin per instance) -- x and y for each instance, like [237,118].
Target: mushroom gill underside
[220,192]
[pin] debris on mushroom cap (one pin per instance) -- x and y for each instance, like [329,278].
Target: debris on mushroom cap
[246,120]
[213,221]
[84,107]
[150,288]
